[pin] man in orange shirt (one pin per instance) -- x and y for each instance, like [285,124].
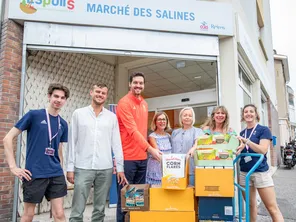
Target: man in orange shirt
[132,114]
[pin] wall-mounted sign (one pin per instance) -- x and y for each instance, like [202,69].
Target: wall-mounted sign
[187,16]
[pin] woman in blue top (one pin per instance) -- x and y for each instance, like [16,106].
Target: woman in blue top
[159,139]
[256,139]
[183,139]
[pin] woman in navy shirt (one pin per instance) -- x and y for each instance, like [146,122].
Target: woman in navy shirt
[256,138]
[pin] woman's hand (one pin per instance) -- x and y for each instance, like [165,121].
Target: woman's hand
[191,151]
[242,145]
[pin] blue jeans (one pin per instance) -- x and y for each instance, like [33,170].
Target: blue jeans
[135,173]
[192,179]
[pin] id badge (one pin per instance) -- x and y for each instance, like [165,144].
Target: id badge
[247,159]
[49,151]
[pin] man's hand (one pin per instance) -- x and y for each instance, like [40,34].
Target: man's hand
[156,154]
[70,177]
[21,173]
[121,178]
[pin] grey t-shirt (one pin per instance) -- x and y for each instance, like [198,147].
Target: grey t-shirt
[183,140]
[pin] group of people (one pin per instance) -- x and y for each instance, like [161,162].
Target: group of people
[96,133]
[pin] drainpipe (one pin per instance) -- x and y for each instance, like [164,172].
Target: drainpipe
[2,12]
[19,139]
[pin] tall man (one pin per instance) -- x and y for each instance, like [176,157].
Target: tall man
[94,134]
[132,114]
[43,174]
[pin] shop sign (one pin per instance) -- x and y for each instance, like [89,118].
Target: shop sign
[187,16]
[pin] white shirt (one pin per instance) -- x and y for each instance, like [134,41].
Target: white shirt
[91,140]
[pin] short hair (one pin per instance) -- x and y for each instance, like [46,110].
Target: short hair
[256,111]
[153,123]
[135,74]
[181,113]
[58,86]
[100,85]
[210,122]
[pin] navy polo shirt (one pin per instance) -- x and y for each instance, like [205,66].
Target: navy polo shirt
[261,132]
[37,162]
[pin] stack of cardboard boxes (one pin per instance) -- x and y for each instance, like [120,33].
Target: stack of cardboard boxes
[214,178]
[173,201]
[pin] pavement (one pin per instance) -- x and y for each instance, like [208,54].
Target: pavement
[285,187]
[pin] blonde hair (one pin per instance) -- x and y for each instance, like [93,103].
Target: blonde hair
[210,122]
[256,111]
[181,113]
[153,123]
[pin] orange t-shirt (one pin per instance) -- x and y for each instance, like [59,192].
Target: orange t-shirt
[132,114]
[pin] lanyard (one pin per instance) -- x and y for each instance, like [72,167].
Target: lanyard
[247,147]
[49,128]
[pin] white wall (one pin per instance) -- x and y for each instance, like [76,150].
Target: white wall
[247,37]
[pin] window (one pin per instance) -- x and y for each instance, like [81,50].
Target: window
[245,90]
[263,117]
[291,99]
[260,22]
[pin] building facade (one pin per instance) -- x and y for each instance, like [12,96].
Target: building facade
[282,78]
[223,56]
[285,99]
[292,113]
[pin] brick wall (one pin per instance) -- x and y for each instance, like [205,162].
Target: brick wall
[10,78]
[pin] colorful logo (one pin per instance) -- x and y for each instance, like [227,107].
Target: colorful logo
[204,26]
[31,6]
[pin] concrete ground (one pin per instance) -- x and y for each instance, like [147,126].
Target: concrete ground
[110,215]
[285,186]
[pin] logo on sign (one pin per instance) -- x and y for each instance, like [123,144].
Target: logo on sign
[31,6]
[204,26]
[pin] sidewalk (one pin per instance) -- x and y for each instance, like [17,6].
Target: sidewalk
[285,187]
[110,215]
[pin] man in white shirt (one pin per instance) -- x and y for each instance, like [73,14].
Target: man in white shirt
[94,134]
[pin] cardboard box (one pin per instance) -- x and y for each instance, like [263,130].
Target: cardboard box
[135,197]
[216,155]
[214,182]
[169,200]
[215,208]
[173,183]
[173,165]
[162,216]
[127,217]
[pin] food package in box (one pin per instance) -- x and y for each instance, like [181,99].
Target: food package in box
[216,154]
[135,197]
[204,140]
[173,165]
[206,154]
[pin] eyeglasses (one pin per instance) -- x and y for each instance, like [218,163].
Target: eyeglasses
[161,120]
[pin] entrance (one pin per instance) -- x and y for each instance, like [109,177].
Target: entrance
[180,69]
